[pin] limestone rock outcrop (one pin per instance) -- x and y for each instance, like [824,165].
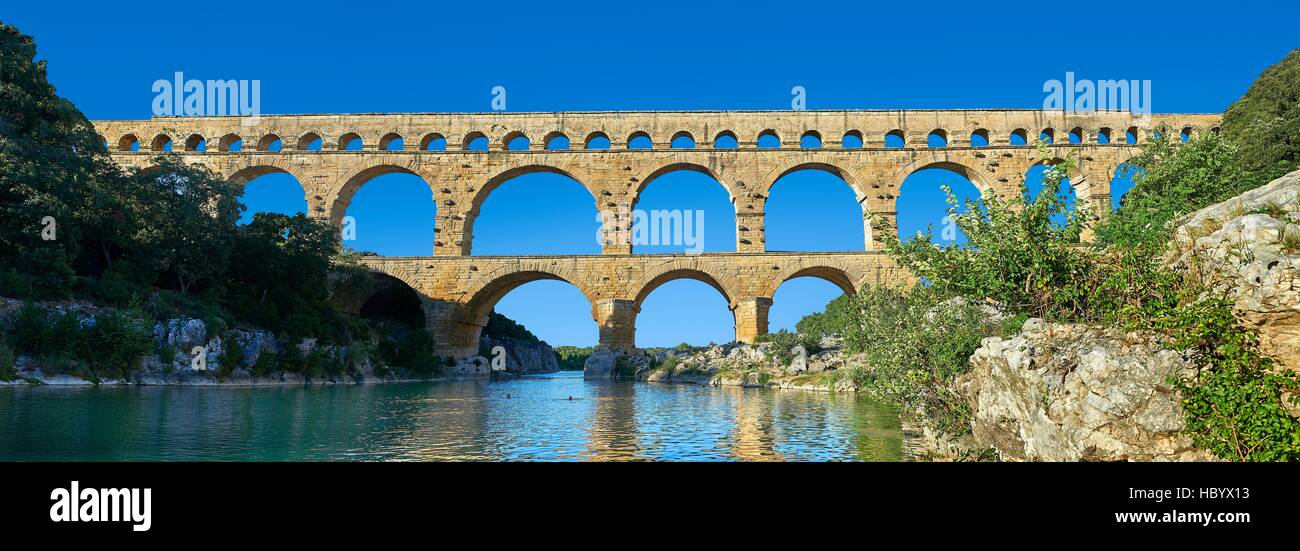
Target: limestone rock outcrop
[1068,392]
[1249,248]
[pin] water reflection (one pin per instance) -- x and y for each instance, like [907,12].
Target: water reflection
[555,417]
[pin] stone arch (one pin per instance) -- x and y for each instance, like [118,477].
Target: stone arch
[483,293]
[825,165]
[680,269]
[638,134]
[983,134]
[263,165]
[765,133]
[471,138]
[512,136]
[481,195]
[193,142]
[367,171]
[727,135]
[428,140]
[228,141]
[682,134]
[348,138]
[127,142]
[644,180]
[586,142]
[305,140]
[160,142]
[554,135]
[837,273]
[264,144]
[388,140]
[947,162]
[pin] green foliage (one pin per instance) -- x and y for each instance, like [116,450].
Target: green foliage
[1172,179]
[411,349]
[502,327]
[1234,405]
[113,344]
[1020,252]
[573,358]
[1265,123]
[107,346]
[915,345]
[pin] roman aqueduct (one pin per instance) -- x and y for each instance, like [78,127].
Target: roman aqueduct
[745,151]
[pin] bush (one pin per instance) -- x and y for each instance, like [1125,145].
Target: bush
[114,343]
[914,346]
[1265,123]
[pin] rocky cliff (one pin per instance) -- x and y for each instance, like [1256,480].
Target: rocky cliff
[1067,392]
[1249,247]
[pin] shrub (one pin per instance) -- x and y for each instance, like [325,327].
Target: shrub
[914,346]
[7,370]
[114,343]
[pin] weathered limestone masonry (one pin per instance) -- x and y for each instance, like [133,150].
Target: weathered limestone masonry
[460,290]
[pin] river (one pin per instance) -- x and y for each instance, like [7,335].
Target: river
[555,417]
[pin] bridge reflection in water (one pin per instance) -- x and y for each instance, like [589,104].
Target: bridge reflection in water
[525,420]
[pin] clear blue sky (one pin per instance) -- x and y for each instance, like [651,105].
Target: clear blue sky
[395,57]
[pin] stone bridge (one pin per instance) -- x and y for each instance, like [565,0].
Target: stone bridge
[464,157]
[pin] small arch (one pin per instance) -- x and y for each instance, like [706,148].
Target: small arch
[1019,136]
[1132,135]
[516,141]
[810,140]
[979,138]
[938,138]
[433,141]
[161,142]
[480,306]
[894,139]
[726,140]
[351,142]
[639,140]
[683,140]
[270,143]
[310,141]
[128,143]
[392,141]
[596,140]
[852,140]
[1186,134]
[1047,136]
[196,143]
[475,141]
[556,141]
[1076,136]
[230,142]
[768,139]
[1103,136]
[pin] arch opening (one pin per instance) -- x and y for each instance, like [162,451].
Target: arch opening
[852,140]
[937,139]
[433,142]
[810,140]
[392,142]
[979,138]
[922,204]
[596,140]
[351,142]
[768,139]
[726,140]
[683,140]
[894,139]
[270,143]
[310,142]
[535,210]
[803,294]
[387,210]
[813,207]
[684,307]
[683,208]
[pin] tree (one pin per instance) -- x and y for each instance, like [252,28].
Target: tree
[187,225]
[56,180]
[1265,123]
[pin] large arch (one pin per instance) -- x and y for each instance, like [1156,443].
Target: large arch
[559,236]
[342,195]
[932,209]
[257,198]
[489,289]
[665,278]
[677,203]
[780,225]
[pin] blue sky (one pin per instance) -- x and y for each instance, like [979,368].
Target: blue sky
[395,57]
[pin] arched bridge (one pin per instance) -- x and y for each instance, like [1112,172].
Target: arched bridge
[464,157]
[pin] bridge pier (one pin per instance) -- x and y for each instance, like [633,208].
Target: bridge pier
[751,317]
[617,320]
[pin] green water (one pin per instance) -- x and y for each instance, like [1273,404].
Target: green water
[529,419]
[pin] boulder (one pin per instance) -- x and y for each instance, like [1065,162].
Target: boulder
[1069,392]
